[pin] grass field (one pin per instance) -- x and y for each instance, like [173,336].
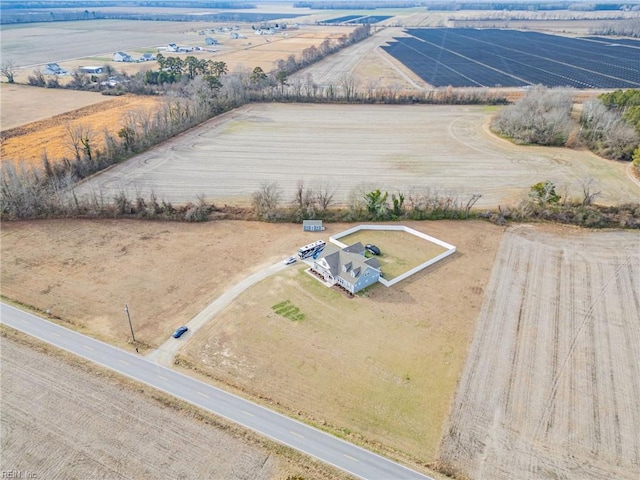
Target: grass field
[401,251]
[383,366]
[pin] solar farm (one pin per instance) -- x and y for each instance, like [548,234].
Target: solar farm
[464,57]
[357,19]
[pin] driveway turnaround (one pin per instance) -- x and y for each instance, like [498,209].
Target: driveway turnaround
[327,448]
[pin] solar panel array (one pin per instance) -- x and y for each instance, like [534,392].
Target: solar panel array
[464,57]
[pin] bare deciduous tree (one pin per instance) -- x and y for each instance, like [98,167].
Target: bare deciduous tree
[304,198]
[542,116]
[266,199]
[8,69]
[79,141]
[324,196]
[588,191]
[349,84]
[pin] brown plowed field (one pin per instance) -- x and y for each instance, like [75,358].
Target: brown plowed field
[552,381]
[60,421]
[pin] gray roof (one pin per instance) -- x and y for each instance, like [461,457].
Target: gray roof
[373,261]
[355,248]
[346,262]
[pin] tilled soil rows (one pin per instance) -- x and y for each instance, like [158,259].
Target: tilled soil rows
[552,381]
[59,421]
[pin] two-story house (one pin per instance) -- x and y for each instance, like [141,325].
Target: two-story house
[347,267]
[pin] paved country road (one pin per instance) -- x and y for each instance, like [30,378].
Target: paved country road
[325,447]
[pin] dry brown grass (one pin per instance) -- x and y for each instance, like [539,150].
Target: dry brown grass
[28,143]
[383,366]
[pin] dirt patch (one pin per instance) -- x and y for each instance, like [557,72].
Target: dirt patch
[95,424]
[551,385]
[384,366]
[28,143]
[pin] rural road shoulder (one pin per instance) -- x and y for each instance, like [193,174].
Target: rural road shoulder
[327,448]
[166,352]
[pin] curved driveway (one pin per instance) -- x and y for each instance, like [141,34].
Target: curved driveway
[313,442]
[165,353]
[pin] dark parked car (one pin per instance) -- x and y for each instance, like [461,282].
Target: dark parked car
[372,249]
[180,331]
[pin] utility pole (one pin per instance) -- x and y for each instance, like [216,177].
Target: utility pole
[126,309]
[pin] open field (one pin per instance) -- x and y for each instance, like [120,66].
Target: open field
[382,366]
[400,251]
[28,143]
[20,104]
[367,63]
[85,271]
[402,347]
[417,148]
[91,426]
[552,381]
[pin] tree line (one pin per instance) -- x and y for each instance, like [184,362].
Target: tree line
[544,202]
[608,125]
[54,11]
[628,27]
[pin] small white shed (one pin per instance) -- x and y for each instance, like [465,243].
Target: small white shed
[312,225]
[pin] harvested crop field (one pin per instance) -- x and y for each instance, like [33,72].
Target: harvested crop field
[552,380]
[27,143]
[20,104]
[90,426]
[425,149]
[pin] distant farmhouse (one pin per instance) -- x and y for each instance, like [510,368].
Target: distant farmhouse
[54,69]
[347,267]
[147,57]
[122,57]
[173,47]
[91,70]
